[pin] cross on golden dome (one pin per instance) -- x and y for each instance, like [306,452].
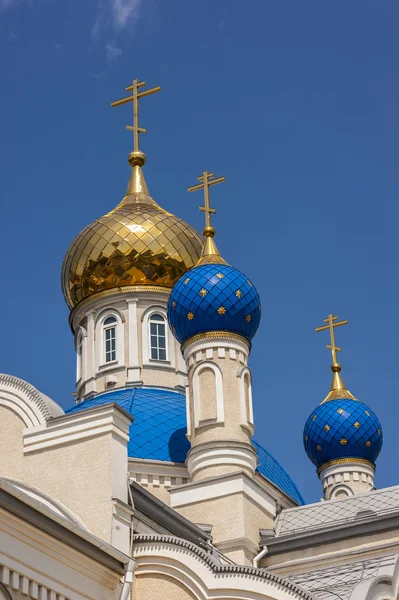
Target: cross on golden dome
[207,179]
[332,324]
[136,95]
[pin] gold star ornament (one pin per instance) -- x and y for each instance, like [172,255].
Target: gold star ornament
[221,310]
[190,316]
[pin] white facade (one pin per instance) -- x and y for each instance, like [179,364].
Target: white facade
[135,356]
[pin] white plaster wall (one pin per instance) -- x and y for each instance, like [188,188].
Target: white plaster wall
[84,476]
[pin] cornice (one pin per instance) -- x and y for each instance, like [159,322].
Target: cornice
[326,535]
[216,567]
[126,289]
[346,461]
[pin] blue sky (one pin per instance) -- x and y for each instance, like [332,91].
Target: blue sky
[295,102]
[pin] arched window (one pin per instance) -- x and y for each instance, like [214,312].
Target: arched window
[157,337]
[109,326]
[79,357]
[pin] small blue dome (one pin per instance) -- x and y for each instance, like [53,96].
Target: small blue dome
[342,429]
[213,297]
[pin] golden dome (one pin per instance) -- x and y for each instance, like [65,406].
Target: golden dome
[137,243]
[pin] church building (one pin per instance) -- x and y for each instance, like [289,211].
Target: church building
[151,486]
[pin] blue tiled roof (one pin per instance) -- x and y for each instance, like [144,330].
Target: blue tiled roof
[158,431]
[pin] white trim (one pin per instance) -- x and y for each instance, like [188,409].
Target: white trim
[133,353]
[80,338]
[341,488]
[192,573]
[26,401]
[218,392]
[78,426]
[213,454]
[245,418]
[188,408]
[101,364]
[353,473]
[219,487]
[156,467]
[40,566]
[169,363]
[219,344]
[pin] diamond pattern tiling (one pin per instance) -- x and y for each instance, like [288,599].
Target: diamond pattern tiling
[342,429]
[128,247]
[339,581]
[213,298]
[327,514]
[158,431]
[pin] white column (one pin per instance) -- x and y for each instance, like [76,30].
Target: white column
[91,386]
[134,370]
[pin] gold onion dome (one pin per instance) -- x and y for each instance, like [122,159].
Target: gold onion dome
[136,243]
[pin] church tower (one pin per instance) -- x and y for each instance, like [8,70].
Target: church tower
[342,436]
[116,278]
[214,312]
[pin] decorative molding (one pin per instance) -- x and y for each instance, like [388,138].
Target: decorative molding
[220,486]
[126,289]
[213,454]
[99,342]
[74,427]
[345,461]
[218,393]
[149,550]
[246,413]
[25,585]
[169,363]
[25,400]
[241,343]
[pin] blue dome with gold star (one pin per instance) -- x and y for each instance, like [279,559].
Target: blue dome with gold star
[342,428]
[213,297]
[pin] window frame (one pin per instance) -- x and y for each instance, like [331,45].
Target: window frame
[161,321]
[100,340]
[112,326]
[171,362]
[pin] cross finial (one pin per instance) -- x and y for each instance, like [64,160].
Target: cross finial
[207,179]
[136,95]
[332,324]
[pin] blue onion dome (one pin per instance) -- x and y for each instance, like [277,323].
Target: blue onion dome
[213,296]
[342,427]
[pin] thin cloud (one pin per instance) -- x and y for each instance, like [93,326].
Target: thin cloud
[8,3]
[112,52]
[125,12]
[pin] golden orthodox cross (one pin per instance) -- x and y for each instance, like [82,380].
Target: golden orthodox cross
[136,95]
[207,179]
[332,324]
